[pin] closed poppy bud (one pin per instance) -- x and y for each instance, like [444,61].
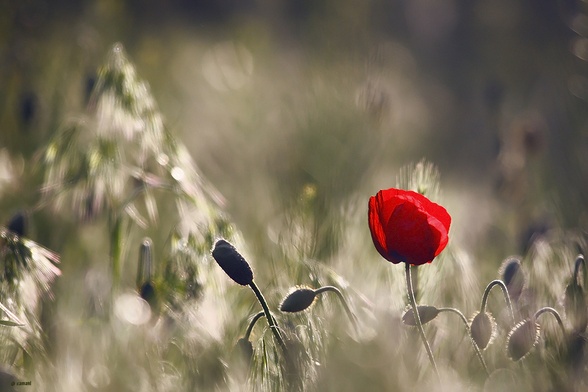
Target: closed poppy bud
[232,262]
[407,227]
[245,349]
[521,339]
[298,300]
[18,224]
[426,313]
[513,277]
[575,307]
[482,328]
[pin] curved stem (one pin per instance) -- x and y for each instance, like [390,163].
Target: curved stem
[418,318]
[343,302]
[500,283]
[252,324]
[579,262]
[555,314]
[270,319]
[467,325]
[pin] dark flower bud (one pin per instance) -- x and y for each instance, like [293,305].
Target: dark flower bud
[426,313]
[232,262]
[18,224]
[483,329]
[28,107]
[144,269]
[298,300]
[521,339]
[244,349]
[575,307]
[148,293]
[513,277]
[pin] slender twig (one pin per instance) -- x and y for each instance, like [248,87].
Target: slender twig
[343,302]
[579,262]
[252,324]
[500,283]
[555,314]
[468,329]
[270,319]
[418,318]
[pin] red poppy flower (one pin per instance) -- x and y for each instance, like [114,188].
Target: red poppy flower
[407,227]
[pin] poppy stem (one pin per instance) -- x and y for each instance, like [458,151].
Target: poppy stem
[579,263]
[418,318]
[343,302]
[500,283]
[555,314]
[270,319]
[252,324]
[468,329]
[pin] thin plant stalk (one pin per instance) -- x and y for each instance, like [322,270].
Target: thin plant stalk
[116,240]
[580,262]
[555,314]
[343,302]
[270,319]
[418,318]
[252,324]
[467,325]
[500,283]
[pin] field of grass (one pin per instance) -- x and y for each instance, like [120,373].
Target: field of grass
[134,136]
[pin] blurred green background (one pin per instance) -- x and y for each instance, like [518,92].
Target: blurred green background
[271,96]
[297,111]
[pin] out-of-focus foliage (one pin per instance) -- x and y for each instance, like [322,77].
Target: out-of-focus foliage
[296,112]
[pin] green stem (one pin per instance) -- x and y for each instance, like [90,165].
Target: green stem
[418,318]
[343,302]
[467,325]
[252,324]
[270,319]
[579,262]
[555,314]
[115,247]
[500,283]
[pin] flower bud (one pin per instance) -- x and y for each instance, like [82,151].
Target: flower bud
[232,262]
[426,313]
[18,224]
[298,300]
[575,307]
[244,349]
[513,277]
[521,339]
[144,268]
[483,329]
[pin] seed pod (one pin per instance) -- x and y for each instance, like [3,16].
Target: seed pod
[513,277]
[575,307]
[483,329]
[426,313]
[298,300]
[521,339]
[232,262]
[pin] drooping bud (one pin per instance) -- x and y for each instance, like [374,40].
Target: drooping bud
[244,349]
[513,277]
[18,224]
[232,262]
[521,339]
[426,313]
[298,300]
[483,329]
[575,307]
